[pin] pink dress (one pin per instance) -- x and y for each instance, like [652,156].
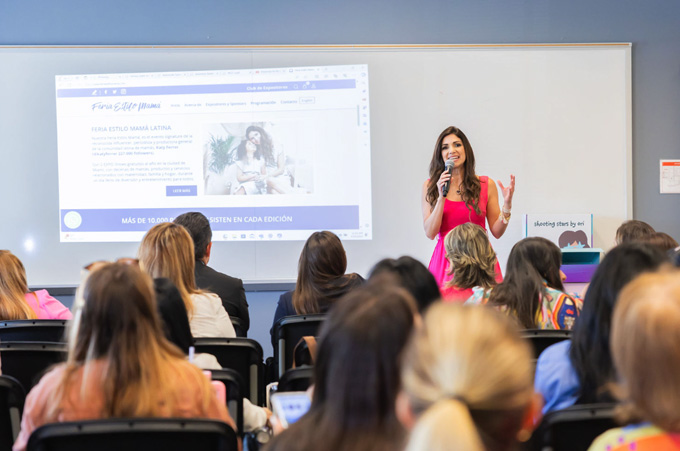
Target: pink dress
[456,213]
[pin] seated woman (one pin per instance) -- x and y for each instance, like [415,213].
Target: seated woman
[532,291]
[321,278]
[16,302]
[472,263]
[175,321]
[466,382]
[250,170]
[411,275]
[119,365]
[580,370]
[168,251]
[356,375]
[645,342]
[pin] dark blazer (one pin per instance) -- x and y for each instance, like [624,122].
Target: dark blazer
[229,289]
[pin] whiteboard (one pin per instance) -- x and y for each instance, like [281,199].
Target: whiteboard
[557,116]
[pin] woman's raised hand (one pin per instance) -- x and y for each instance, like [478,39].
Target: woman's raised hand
[508,192]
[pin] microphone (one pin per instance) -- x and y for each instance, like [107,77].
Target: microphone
[449,168]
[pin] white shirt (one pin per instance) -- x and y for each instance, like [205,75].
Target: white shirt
[209,318]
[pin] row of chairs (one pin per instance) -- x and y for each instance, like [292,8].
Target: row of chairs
[243,355]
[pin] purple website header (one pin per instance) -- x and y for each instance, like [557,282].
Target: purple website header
[117,91]
[221,219]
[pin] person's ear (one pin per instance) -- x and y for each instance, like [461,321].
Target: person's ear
[532,416]
[404,412]
[207,253]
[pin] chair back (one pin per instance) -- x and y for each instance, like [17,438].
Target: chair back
[542,338]
[29,361]
[234,384]
[573,428]
[52,330]
[134,434]
[242,355]
[11,407]
[296,379]
[287,333]
[238,326]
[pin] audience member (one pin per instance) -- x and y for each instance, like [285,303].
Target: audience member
[119,364]
[411,275]
[16,302]
[662,240]
[175,321]
[356,375]
[472,263]
[229,289]
[645,342]
[466,382]
[633,230]
[321,278]
[532,290]
[579,371]
[167,251]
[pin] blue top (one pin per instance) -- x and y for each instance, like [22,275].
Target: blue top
[556,378]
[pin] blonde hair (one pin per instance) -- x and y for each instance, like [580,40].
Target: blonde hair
[13,289]
[468,376]
[472,261]
[118,326]
[167,250]
[645,342]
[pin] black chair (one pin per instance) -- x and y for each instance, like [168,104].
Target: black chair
[542,338]
[238,326]
[11,407]
[296,379]
[287,333]
[242,355]
[28,361]
[234,383]
[134,434]
[573,428]
[52,330]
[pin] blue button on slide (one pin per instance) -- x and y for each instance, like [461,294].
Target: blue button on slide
[181,190]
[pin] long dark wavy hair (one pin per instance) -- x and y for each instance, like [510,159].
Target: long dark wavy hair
[590,351]
[266,146]
[531,262]
[470,188]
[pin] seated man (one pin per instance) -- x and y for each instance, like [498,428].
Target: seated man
[229,289]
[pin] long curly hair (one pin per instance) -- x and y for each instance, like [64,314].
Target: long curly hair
[470,187]
[472,260]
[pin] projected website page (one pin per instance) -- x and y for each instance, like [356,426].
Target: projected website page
[268,154]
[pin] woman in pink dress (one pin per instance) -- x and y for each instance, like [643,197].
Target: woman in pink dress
[471,198]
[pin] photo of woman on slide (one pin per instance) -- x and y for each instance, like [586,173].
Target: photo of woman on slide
[278,179]
[250,170]
[233,154]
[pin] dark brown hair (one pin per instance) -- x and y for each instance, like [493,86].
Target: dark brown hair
[662,240]
[199,229]
[633,230]
[470,187]
[321,272]
[531,262]
[356,375]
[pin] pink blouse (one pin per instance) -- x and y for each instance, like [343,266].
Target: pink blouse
[46,307]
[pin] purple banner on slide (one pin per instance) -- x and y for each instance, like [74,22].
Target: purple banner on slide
[113,91]
[221,219]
